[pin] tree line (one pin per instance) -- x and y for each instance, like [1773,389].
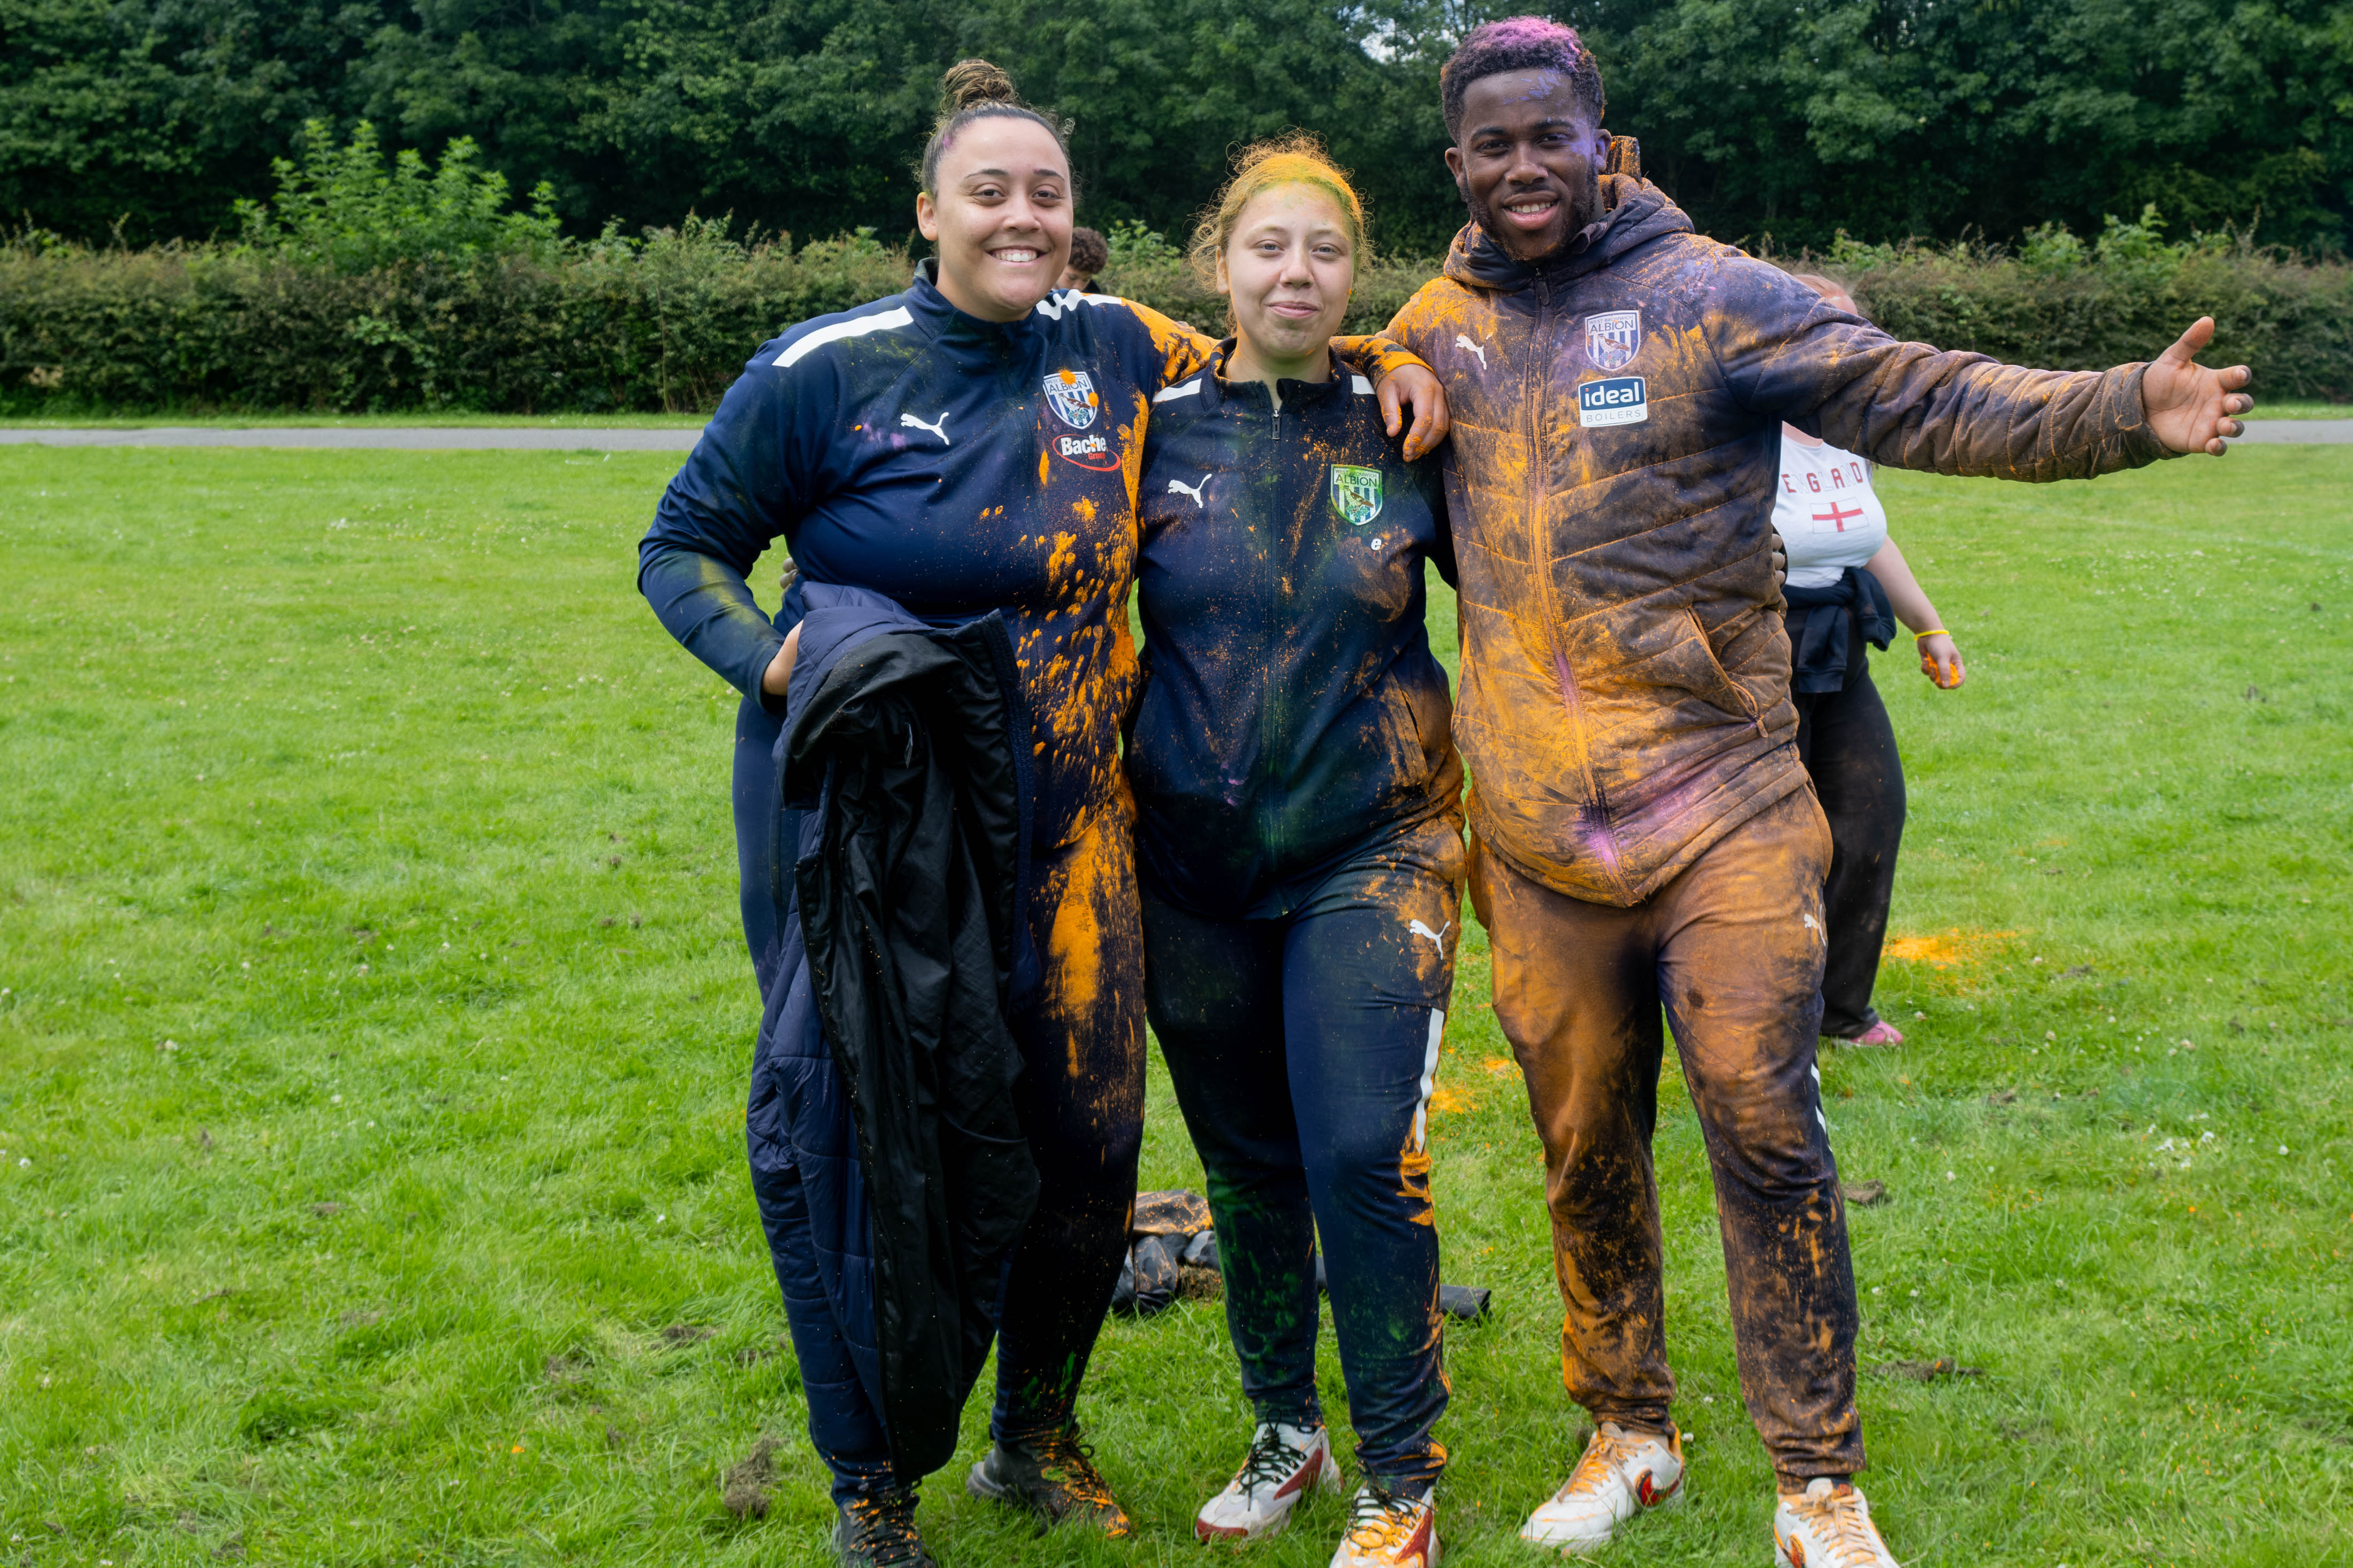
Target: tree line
[1883,119]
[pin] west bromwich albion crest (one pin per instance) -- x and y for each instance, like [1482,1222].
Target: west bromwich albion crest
[1072,395]
[1355,493]
[1612,338]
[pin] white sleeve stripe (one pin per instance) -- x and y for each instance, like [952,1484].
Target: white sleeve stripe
[1360,386]
[889,320]
[1170,393]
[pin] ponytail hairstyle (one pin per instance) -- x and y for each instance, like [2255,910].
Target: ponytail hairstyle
[1297,159]
[975,90]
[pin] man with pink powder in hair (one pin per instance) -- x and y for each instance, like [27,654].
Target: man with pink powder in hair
[1643,835]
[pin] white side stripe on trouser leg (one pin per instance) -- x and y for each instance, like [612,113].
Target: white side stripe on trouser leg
[1428,1078]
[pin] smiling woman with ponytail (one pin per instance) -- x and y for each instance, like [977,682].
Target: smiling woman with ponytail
[965,449]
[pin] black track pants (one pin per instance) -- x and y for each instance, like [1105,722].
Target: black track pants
[1849,748]
[1304,1050]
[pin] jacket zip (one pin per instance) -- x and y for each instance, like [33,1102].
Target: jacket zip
[1540,553]
[1271,719]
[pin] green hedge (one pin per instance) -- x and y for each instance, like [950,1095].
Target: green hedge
[2291,322]
[666,323]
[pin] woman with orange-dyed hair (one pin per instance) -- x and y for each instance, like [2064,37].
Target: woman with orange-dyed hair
[1300,852]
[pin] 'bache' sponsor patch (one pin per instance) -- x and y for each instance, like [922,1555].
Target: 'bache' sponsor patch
[1615,400]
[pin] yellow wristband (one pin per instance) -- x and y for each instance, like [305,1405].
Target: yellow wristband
[1922,636]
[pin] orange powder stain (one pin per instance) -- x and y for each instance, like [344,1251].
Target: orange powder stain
[1065,556]
[1502,1067]
[1446,1100]
[1075,946]
[1945,950]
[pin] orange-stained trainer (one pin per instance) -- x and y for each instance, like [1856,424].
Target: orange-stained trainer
[1828,1525]
[1621,1474]
[1386,1531]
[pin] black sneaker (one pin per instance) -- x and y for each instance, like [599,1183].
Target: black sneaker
[1055,1477]
[878,1531]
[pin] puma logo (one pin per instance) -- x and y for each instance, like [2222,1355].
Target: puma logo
[1437,938]
[939,429]
[1811,923]
[1462,341]
[1178,487]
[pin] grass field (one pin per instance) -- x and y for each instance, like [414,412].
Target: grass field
[329,421]
[2270,409]
[374,1023]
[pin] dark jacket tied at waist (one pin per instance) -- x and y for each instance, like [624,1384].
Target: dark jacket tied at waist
[900,762]
[1820,655]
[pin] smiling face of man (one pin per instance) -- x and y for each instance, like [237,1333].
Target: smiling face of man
[1529,160]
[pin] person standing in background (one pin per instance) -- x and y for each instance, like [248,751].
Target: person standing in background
[1845,575]
[1088,255]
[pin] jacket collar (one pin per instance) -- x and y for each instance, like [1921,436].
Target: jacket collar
[1295,394]
[952,328]
[1637,212]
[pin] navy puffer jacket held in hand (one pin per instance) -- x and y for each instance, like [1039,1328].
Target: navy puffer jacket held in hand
[1292,707]
[905,788]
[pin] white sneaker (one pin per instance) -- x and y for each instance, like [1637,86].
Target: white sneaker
[1621,1474]
[1827,1526]
[1386,1531]
[1282,1465]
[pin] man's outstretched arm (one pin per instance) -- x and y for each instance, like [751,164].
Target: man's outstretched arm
[1788,353]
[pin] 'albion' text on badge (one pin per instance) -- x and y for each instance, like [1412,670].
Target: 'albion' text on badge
[1071,394]
[1619,400]
[1612,338]
[1355,493]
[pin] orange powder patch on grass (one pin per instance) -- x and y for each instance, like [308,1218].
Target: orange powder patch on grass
[1944,949]
[1446,1100]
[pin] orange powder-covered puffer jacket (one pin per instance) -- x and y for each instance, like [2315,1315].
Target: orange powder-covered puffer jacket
[1624,696]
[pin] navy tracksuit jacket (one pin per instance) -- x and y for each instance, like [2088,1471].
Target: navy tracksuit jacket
[1299,844]
[957,466]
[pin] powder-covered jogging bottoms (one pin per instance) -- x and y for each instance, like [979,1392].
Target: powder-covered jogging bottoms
[1304,1051]
[1733,949]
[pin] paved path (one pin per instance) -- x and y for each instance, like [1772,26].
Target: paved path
[404,438]
[427,439]
[2302,431]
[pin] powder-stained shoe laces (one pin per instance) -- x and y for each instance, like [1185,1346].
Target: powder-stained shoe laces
[1386,1531]
[1828,1525]
[1619,1475]
[1053,1476]
[878,1531]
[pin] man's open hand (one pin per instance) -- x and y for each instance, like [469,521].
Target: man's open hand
[2189,407]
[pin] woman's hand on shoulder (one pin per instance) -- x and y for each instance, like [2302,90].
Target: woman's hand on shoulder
[1418,385]
[1940,660]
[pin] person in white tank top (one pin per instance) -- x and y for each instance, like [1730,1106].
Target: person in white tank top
[1831,522]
